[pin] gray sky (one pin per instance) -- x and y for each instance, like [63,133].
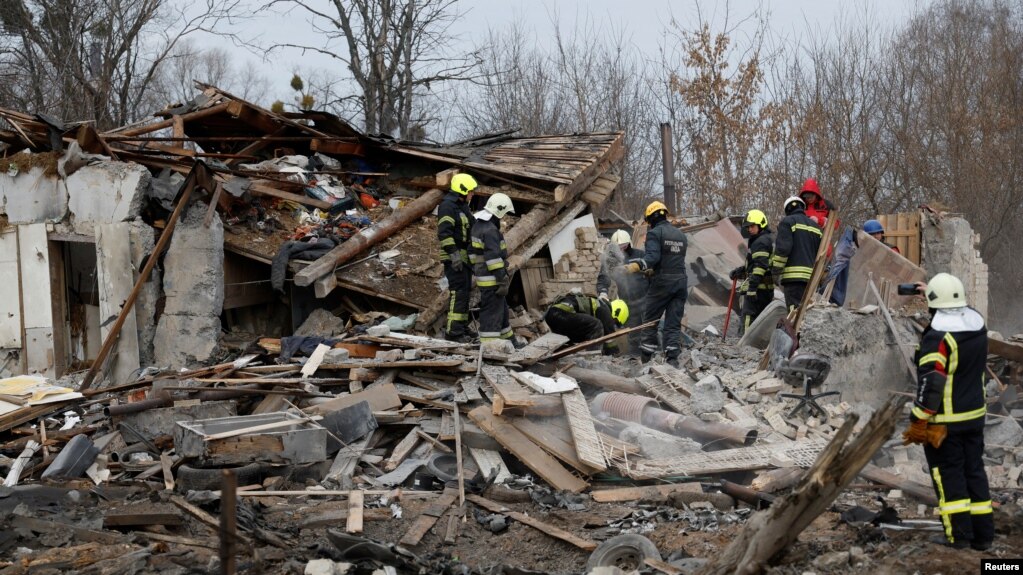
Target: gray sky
[643,22]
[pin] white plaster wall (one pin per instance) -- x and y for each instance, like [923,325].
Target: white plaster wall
[106,193]
[32,197]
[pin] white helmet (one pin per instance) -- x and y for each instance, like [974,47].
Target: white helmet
[945,291]
[621,237]
[499,204]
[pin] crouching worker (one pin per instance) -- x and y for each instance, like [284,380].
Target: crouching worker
[948,413]
[583,318]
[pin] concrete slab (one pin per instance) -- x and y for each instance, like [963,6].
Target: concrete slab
[105,193]
[32,197]
[115,281]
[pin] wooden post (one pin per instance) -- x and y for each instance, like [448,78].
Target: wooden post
[186,192]
[370,236]
[228,522]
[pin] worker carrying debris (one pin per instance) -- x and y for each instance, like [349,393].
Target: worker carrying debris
[758,287]
[631,287]
[583,318]
[948,413]
[454,220]
[664,259]
[874,229]
[795,251]
[489,257]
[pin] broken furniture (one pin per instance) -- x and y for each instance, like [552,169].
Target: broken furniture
[279,437]
[811,370]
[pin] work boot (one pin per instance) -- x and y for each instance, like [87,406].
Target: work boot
[518,343]
[459,338]
[673,362]
[646,357]
[958,544]
[981,545]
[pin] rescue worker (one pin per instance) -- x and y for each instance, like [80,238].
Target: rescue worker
[489,257]
[795,251]
[758,287]
[631,287]
[583,318]
[664,259]
[454,221]
[818,209]
[874,229]
[948,413]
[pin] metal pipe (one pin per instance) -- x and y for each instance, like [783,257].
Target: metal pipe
[137,406]
[756,499]
[640,409]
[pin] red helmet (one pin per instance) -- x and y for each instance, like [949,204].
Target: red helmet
[810,186]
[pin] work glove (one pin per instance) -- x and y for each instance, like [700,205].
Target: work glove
[603,296]
[456,263]
[503,285]
[633,268]
[737,273]
[936,435]
[916,433]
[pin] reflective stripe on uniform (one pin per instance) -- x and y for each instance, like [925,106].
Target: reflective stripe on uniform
[957,417]
[933,357]
[564,307]
[981,507]
[486,281]
[447,219]
[806,228]
[936,475]
[796,272]
[921,414]
[756,255]
[953,363]
[495,264]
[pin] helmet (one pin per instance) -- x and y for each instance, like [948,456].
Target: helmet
[810,185]
[463,184]
[755,218]
[620,311]
[945,291]
[873,227]
[499,204]
[793,203]
[621,237]
[654,208]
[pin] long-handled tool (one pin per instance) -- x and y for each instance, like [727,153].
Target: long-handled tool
[728,316]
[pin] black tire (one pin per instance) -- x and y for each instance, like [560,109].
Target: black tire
[190,478]
[627,552]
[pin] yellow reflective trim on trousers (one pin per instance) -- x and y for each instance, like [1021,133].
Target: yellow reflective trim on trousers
[957,417]
[936,475]
[447,242]
[758,271]
[953,507]
[806,228]
[981,507]
[565,307]
[756,255]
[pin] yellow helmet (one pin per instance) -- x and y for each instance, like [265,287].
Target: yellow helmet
[654,208]
[620,311]
[755,218]
[463,184]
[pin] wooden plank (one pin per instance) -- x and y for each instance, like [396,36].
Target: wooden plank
[922,492]
[123,519]
[177,540]
[355,503]
[168,476]
[509,392]
[490,464]
[624,494]
[314,361]
[343,467]
[580,423]
[335,517]
[528,452]
[46,526]
[546,528]
[554,439]
[381,398]
[586,344]
[538,349]
[260,428]
[403,449]
[428,518]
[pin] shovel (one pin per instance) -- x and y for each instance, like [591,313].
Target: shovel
[728,316]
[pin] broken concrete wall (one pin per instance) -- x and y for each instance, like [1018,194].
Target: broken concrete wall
[32,197]
[189,329]
[105,193]
[865,361]
[143,240]
[948,244]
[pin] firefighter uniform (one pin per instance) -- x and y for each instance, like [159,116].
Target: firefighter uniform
[583,318]
[489,257]
[631,287]
[664,256]
[951,361]
[758,289]
[795,251]
[454,220]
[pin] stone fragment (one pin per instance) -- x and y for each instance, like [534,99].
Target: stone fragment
[336,355]
[708,395]
[378,331]
[769,386]
[832,560]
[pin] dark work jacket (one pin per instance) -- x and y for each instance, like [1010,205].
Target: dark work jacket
[795,248]
[454,220]
[631,287]
[665,249]
[758,262]
[574,303]
[951,377]
[488,252]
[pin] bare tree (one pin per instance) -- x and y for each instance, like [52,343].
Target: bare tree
[96,59]
[396,51]
[174,81]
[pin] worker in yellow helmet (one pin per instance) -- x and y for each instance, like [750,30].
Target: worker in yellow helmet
[758,287]
[583,318]
[664,260]
[454,221]
[630,287]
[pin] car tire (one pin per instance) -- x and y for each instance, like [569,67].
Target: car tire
[189,478]
[627,552]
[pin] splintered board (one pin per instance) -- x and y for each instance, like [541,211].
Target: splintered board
[801,454]
[671,387]
[526,451]
[584,434]
[540,348]
[508,392]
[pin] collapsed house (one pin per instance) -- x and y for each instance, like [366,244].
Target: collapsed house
[320,429]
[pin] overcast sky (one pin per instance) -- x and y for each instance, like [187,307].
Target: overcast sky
[642,22]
